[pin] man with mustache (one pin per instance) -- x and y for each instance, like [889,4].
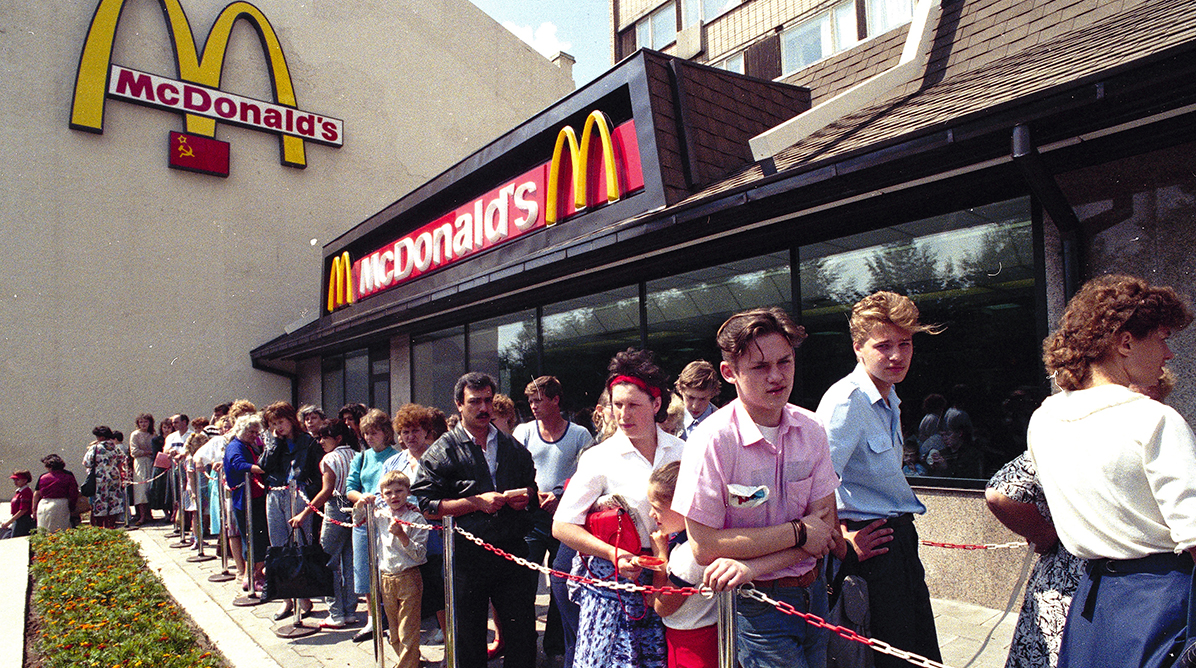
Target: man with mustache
[876,505]
[487,481]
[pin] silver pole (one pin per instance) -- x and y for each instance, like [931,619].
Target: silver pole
[291,502]
[180,477]
[450,596]
[221,496]
[198,528]
[248,503]
[127,488]
[371,534]
[726,629]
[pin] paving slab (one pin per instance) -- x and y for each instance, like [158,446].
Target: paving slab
[14,591]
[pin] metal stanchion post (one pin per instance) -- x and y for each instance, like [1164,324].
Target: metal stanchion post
[180,516]
[247,500]
[170,485]
[450,597]
[126,487]
[296,629]
[371,534]
[726,629]
[196,478]
[221,497]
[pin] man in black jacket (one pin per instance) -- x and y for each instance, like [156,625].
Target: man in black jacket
[484,479]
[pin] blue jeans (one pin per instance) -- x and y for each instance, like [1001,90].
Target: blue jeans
[770,638]
[337,542]
[280,508]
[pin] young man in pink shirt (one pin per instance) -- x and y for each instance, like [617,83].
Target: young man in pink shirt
[757,483]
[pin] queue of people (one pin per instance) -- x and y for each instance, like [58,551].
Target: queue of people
[757,492]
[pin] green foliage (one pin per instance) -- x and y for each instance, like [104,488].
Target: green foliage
[101,606]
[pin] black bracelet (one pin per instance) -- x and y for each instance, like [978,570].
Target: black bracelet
[799,532]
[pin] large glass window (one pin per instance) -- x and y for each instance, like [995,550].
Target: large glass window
[685,311]
[838,29]
[358,376]
[505,347]
[971,271]
[693,11]
[806,43]
[884,15]
[437,361]
[580,337]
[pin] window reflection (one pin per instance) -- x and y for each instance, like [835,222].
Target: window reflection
[437,361]
[505,347]
[972,271]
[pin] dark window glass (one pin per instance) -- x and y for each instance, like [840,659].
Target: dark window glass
[973,272]
[580,337]
[357,378]
[333,383]
[437,361]
[685,311]
[505,347]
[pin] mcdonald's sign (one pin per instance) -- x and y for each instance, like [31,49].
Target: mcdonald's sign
[196,93]
[340,282]
[522,205]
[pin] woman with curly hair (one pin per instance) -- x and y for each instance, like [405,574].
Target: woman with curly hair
[617,629]
[1118,469]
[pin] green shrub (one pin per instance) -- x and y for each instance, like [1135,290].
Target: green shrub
[101,606]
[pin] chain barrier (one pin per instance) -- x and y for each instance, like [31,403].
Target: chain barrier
[985,546]
[746,591]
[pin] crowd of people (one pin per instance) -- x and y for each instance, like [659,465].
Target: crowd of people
[672,490]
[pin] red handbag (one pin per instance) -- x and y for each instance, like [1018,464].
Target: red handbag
[614,524]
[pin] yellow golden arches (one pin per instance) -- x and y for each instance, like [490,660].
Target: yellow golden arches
[87,109]
[340,282]
[599,120]
[566,137]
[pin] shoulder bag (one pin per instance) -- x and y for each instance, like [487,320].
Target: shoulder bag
[296,571]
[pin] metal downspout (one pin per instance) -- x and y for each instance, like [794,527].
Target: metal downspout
[1044,186]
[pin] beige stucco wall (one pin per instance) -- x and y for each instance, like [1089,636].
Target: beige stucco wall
[128,286]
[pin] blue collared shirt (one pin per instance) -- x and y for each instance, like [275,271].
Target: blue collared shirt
[689,422]
[865,438]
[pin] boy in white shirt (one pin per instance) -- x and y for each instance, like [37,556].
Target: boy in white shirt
[401,549]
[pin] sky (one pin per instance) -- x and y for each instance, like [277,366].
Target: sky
[580,28]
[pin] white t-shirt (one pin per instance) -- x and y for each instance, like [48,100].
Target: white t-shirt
[697,611]
[614,466]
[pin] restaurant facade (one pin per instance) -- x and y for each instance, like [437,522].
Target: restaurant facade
[982,157]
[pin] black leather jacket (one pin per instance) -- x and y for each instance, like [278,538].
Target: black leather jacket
[278,460]
[454,467]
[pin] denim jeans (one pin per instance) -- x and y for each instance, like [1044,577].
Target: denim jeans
[337,542]
[769,638]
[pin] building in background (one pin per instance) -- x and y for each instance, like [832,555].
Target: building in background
[131,286]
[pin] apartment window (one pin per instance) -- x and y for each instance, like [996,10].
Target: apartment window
[806,43]
[884,15]
[839,29]
[732,64]
[704,11]
[658,29]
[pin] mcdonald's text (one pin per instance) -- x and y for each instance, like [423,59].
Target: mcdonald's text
[173,95]
[517,207]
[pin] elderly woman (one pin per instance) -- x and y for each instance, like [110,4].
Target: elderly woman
[55,495]
[1118,470]
[241,458]
[108,462]
[141,448]
[616,629]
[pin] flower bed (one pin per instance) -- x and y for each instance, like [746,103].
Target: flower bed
[100,606]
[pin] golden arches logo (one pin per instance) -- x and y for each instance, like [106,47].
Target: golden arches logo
[87,108]
[340,282]
[579,157]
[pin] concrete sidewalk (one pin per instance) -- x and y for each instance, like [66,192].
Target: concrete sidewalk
[971,636]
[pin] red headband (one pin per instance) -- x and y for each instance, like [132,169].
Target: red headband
[654,391]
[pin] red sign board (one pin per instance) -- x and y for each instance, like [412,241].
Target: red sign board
[194,153]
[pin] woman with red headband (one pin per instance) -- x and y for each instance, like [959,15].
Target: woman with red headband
[615,628]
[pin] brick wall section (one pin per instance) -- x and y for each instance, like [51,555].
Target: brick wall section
[743,24]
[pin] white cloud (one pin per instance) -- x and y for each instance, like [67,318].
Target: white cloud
[542,39]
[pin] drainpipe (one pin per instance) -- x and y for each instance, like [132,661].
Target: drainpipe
[912,63]
[1044,186]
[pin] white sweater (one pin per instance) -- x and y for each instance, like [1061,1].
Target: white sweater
[1118,470]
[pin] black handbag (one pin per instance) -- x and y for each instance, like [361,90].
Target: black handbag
[89,487]
[296,571]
